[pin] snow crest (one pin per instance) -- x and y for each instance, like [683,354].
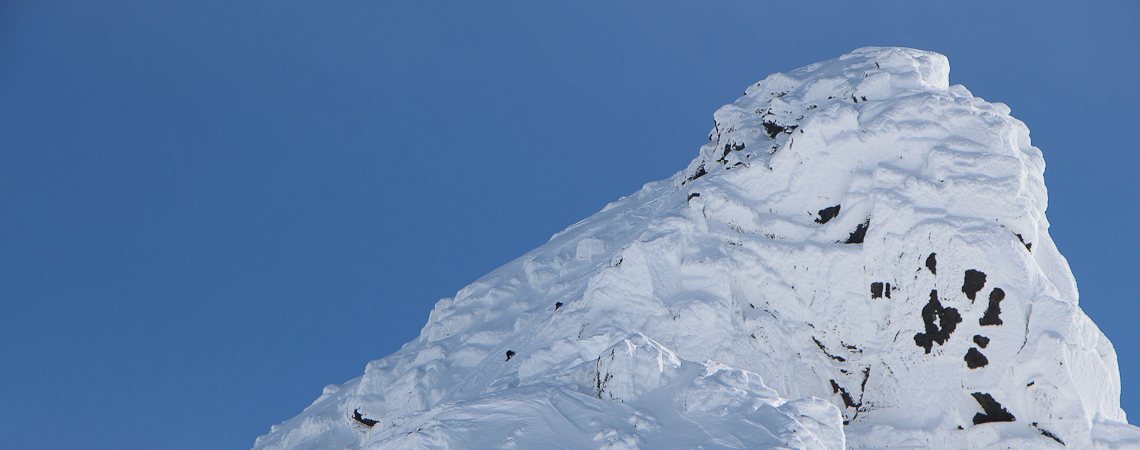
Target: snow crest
[858,257]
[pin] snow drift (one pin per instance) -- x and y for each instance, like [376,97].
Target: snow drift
[858,257]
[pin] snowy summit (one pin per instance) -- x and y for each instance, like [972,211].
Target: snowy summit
[858,257]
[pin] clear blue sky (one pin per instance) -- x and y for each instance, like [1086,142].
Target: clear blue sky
[211,209]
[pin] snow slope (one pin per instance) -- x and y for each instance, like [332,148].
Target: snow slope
[859,256]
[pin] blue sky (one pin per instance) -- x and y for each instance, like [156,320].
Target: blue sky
[212,209]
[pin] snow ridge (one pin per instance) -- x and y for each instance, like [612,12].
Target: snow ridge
[858,257]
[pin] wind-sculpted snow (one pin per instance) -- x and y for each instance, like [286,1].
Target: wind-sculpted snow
[859,256]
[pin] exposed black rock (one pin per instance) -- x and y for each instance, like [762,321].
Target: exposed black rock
[975,359]
[357,416]
[729,148]
[982,341]
[601,382]
[773,128]
[510,354]
[993,310]
[880,289]
[993,411]
[821,347]
[827,214]
[860,232]
[848,401]
[693,195]
[932,264]
[557,305]
[699,173]
[1048,434]
[948,320]
[973,283]
[1028,245]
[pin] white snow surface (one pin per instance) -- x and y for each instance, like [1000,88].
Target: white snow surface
[726,308]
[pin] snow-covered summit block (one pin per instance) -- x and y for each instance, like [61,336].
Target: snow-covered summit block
[858,256]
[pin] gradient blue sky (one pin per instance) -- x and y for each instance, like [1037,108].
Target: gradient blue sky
[209,210]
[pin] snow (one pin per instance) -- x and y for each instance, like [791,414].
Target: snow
[801,284]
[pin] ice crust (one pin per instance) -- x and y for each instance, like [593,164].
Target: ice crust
[801,284]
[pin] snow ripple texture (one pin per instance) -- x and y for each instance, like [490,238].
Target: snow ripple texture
[858,258]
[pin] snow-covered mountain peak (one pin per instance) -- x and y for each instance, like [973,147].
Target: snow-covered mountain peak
[817,143]
[858,256]
[868,70]
[779,102]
